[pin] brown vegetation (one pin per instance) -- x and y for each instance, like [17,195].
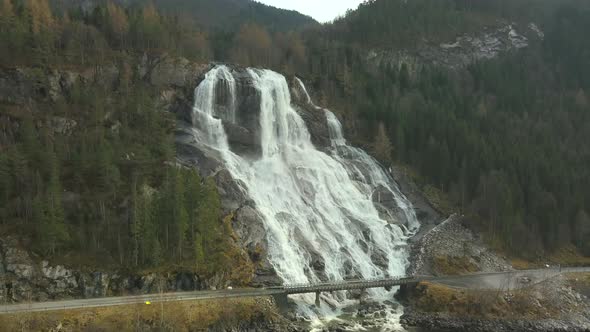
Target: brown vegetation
[429,297]
[447,265]
[176,316]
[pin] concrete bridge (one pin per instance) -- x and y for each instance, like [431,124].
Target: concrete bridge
[492,280]
[351,285]
[497,280]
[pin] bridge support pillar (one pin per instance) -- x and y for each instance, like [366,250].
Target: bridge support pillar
[317,299]
[282,302]
[364,296]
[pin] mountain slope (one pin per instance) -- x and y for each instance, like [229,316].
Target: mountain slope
[503,135]
[218,14]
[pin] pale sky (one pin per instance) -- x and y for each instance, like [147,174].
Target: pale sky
[322,10]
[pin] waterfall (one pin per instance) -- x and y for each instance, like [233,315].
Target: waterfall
[376,176]
[320,214]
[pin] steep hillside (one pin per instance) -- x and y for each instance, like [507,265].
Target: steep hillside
[489,103]
[502,136]
[408,24]
[225,15]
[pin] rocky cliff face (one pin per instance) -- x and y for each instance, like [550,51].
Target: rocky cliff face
[25,277]
[244,139]
[463,51]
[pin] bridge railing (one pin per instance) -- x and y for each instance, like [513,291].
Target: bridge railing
[344,282]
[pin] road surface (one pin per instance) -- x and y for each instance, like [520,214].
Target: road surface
[499,280]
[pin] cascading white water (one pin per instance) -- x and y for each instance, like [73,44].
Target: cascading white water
[355,159]
[319,213]
[376,176]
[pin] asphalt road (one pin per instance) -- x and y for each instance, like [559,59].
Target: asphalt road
[138,299]
[505,280]
[500,280]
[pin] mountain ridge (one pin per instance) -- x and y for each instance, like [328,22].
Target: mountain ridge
[217,14]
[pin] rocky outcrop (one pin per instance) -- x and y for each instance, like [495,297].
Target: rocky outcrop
[428,216]
[463,51]
[25,277]
[451,240]
[314,116]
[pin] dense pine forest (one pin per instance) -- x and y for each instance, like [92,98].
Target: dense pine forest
[505,139]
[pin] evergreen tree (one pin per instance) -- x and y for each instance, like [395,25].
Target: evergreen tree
[383,147]
[194,196]
[582,229]
[136,222]
[53,231]
[210,229]
[180,214]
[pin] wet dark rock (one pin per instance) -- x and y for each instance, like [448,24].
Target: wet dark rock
[316,261]
[387,206]
[427,214]
[242,140]
[317,125]
[379,258]
[249,228]
[314,117]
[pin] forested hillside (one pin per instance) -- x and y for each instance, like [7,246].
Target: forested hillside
[222,15]
[89,173]
[505,138]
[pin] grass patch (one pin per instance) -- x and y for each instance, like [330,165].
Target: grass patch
[448,265]
[582,278]
[171,316]
[523,264]
[429,297]
[569,256]
[566,256]
[439,200]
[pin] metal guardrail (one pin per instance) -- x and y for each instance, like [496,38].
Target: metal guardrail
[352,281]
